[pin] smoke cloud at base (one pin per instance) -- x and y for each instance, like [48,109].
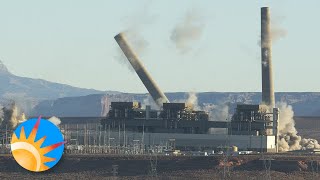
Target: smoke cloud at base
[148,101]
[9,116]
[192,101]
[289,140]
[217,112]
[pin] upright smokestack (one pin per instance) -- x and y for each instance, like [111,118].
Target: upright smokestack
[157,95]
[267,80]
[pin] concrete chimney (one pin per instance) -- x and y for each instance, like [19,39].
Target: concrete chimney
[267,79]
[157,95]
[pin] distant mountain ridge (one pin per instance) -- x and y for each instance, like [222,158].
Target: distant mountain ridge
[37,88]
[41,97]
[303,103]
[27,92]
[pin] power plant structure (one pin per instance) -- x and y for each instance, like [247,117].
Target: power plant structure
[252,127]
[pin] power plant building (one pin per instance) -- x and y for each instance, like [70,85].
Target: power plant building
[252,127]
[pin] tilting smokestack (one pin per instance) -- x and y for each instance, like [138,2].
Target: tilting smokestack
[267,80]
[157,95]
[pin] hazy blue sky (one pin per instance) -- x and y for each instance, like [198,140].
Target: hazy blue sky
[72,42]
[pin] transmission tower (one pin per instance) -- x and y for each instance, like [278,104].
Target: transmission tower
[115,170]
[153,166]
[267,161]
[315,168]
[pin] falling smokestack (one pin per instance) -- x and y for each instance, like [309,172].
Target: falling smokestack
[267,80]
[157,95]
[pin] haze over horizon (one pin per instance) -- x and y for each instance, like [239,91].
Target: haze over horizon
[200,46]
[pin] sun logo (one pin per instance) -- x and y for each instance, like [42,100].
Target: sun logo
[37,145]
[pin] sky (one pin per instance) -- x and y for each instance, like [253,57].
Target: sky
[189,45]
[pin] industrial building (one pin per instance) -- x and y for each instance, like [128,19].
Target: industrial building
[252,127]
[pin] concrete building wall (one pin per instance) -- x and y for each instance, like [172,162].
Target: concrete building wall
[243,142]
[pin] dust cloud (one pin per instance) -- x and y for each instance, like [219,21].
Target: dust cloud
[186,32]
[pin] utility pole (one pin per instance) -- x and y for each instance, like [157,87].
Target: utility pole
[314,168]
[119,136]
[104,137]
[99,135]
[142,141]
[77,135]
[115,170]
[267,161]
[6,134]
[109,138]
[124,134]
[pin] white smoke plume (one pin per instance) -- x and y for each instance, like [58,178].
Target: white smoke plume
[192,101]
[289,139]
[105,104]
[277,31]
[10,116]
[134,24]
[148,101]
[309,144]
[138,44]
[218,112]
[108,98]
[189,30]
[56,121]
[10,113]
[22,118]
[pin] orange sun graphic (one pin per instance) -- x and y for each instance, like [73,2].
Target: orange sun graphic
[28,153]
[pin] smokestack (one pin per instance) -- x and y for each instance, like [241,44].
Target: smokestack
[267,80]
[157,95]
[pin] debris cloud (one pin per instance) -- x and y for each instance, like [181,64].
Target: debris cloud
[10,116]
[189,30]
[134,24]
[277,32]
[192,101]
[289,140]
[148,101]
[219,112]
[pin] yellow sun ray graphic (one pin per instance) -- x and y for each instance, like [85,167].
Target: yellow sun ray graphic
[29,153]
